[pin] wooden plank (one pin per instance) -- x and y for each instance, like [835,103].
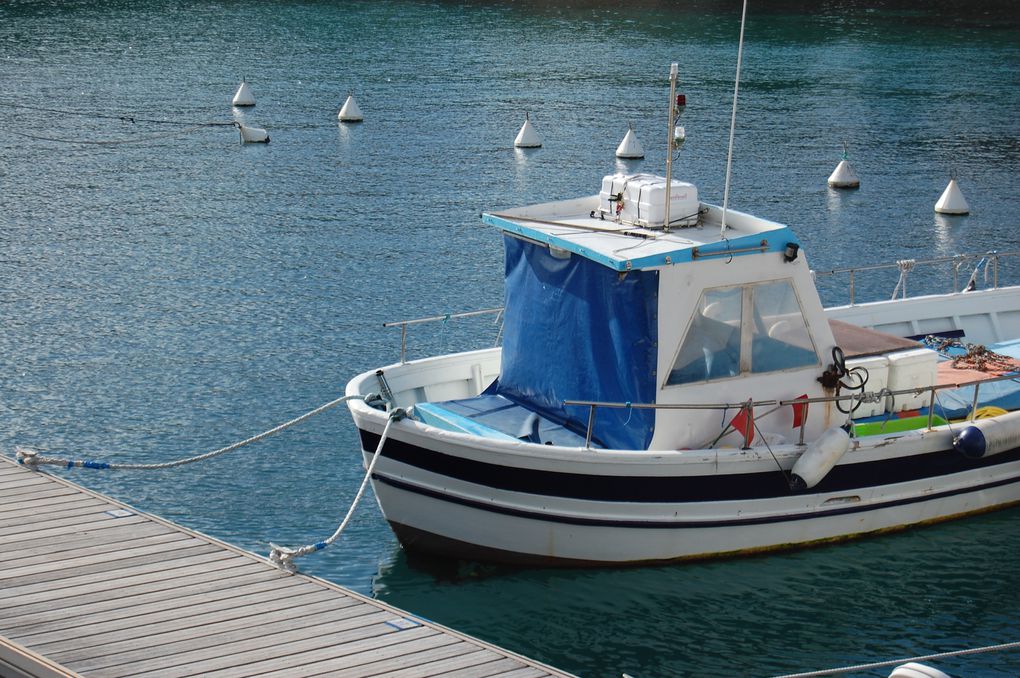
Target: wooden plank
[200,629]
[7,499]
[39,515]
[26,489]
[251,659]
[522,672]
[150,574]
[50,505]
[390,660]
[69,577]
[74,517]
[11,481]
[21,559]
[460,658]
[112,606]
[17,661]
[106,595]
[121,653]
[88,518]
[261,603]
[63,531]
[105,538]
[98,560]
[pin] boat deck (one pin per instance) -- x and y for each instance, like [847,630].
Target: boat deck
[93,587]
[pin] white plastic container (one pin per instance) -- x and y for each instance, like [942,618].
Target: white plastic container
[644,200]
[913,368]
[878,378]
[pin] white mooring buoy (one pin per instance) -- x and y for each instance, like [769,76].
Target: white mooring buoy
[916,670]
[527,137]
[350,112]
[630,147]
[253,135]
[244,97]
[844,176]
[952,200]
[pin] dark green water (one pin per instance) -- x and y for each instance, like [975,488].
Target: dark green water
[166,295]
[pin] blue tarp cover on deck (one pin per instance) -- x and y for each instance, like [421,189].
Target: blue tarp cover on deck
[577,330]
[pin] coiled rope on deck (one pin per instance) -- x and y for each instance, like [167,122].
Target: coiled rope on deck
[896,662]
[32,458]
[283,556]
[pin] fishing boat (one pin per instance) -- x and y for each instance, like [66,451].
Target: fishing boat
[663,394]
[669,386]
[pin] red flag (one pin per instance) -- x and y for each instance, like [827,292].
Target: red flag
[744,423]
[799,411]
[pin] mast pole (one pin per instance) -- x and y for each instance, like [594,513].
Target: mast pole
[669,141]
[733,123]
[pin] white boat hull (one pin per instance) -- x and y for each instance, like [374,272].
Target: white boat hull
[453,495]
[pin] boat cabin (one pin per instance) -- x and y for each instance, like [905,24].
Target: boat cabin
[606,303]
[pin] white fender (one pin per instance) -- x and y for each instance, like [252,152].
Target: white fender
[819,458]
[253,135]
[985,437]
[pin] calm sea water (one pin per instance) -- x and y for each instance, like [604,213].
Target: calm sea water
[165,291]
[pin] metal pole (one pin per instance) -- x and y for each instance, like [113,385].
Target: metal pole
[673,69]
[733,123]
[591,425]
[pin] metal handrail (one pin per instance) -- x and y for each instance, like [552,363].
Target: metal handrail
[867,396]
[992,256]
[404,324]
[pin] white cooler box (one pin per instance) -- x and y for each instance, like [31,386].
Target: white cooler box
[912,368]
[644,200]
[878,378]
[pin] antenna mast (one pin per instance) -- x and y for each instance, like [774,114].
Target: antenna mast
[733,123]
[669,143]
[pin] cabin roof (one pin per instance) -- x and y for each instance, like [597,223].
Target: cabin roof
[574,226]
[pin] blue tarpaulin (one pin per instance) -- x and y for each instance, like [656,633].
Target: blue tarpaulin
[577,330]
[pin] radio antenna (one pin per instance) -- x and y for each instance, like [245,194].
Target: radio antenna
[733,123]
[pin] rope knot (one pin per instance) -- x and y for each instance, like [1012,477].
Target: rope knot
[27,457]
[283,557]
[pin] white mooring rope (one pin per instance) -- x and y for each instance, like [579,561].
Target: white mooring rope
[283,556]
[896,662]
[32,458]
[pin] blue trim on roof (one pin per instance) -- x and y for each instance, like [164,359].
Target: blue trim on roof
[775,241]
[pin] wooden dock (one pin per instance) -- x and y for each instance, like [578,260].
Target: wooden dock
[92,587]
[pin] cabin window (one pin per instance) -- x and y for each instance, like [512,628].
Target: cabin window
[747,329]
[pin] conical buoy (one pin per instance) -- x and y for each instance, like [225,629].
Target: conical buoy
[527,137]
[844,176]
[244,97]
[253,135]
[350,112]
[630,147]
[952,200]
